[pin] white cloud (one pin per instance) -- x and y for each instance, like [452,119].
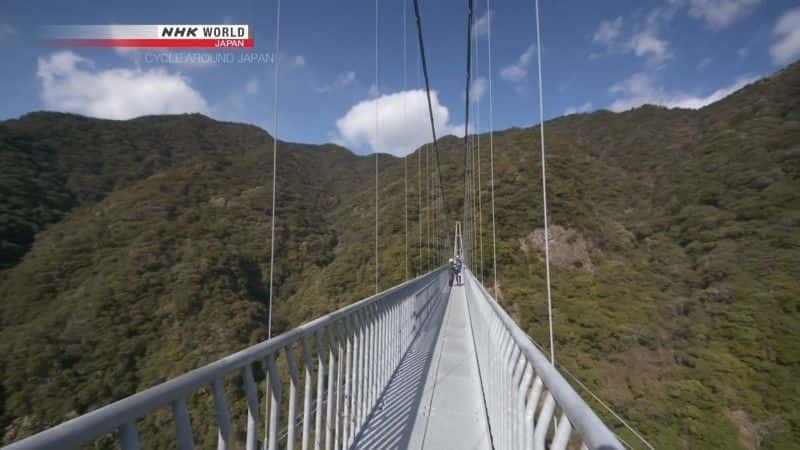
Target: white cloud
[646,43]
[478,89]
[643,41]
[787,33]
[251,87]
[299,61]
[701,66]
[342,81]
[481,26]
[641,89]
[519,70]
[71,83]
[578,109]
[403,122]
[719,14]
[608,32]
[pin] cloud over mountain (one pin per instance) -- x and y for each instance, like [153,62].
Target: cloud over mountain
[71,83]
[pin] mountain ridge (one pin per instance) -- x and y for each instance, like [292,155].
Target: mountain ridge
[676,298]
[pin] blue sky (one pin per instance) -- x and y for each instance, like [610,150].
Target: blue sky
[611,54]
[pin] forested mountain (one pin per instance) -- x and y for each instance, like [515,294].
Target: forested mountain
[132,251]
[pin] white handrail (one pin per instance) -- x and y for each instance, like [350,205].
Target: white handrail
[521,384]
[363,344]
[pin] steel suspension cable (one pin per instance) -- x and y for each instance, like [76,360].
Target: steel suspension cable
[430,105]
[274,165]
[405,158]
[420,263]
[428,200]
[472,205]
[431,217]
[419,205]
[475,146]
[478,130]
[466,108]
[377,102]
[473,137]
[544,186]
[491,142]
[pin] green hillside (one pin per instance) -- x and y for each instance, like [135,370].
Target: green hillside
[135,250]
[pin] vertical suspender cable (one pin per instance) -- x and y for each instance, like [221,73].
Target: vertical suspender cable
[544,186]
[274,164]
[428,199]
[419,205]
[405,158]
[431,212]
[478,130]
[472,184]
[377,101]
[420,153]
[491,142]
[430,208]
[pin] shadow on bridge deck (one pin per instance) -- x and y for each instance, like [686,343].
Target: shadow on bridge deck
[434,399]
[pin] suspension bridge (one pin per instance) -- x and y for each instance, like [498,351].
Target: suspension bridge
[428,364]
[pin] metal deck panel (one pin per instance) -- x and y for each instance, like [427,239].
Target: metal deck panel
[452,413]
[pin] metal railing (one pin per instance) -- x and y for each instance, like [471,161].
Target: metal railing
[524,393]
[346,357]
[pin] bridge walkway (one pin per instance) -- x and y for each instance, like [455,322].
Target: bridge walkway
[434,400]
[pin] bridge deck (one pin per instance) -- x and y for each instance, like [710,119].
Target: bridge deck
[434,401]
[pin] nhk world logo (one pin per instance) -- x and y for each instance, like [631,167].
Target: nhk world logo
[151,36]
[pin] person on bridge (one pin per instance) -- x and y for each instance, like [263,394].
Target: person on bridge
[457,266]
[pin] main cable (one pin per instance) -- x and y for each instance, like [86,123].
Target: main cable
[544,187]
[430,105]
[466,108]
[274,166]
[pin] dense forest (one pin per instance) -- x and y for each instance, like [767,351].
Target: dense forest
[132,251]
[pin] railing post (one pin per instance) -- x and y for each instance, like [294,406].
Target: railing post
[561,438]
[275,399]
[183,425]
[348,381]
[543,422]
[293,380]
[320,392]
[129,437]
[340,331]
[331,390]
[515,377]
[223,417]
[309,364]
[520,412]
[251,392]
[356,359]
[361,380]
